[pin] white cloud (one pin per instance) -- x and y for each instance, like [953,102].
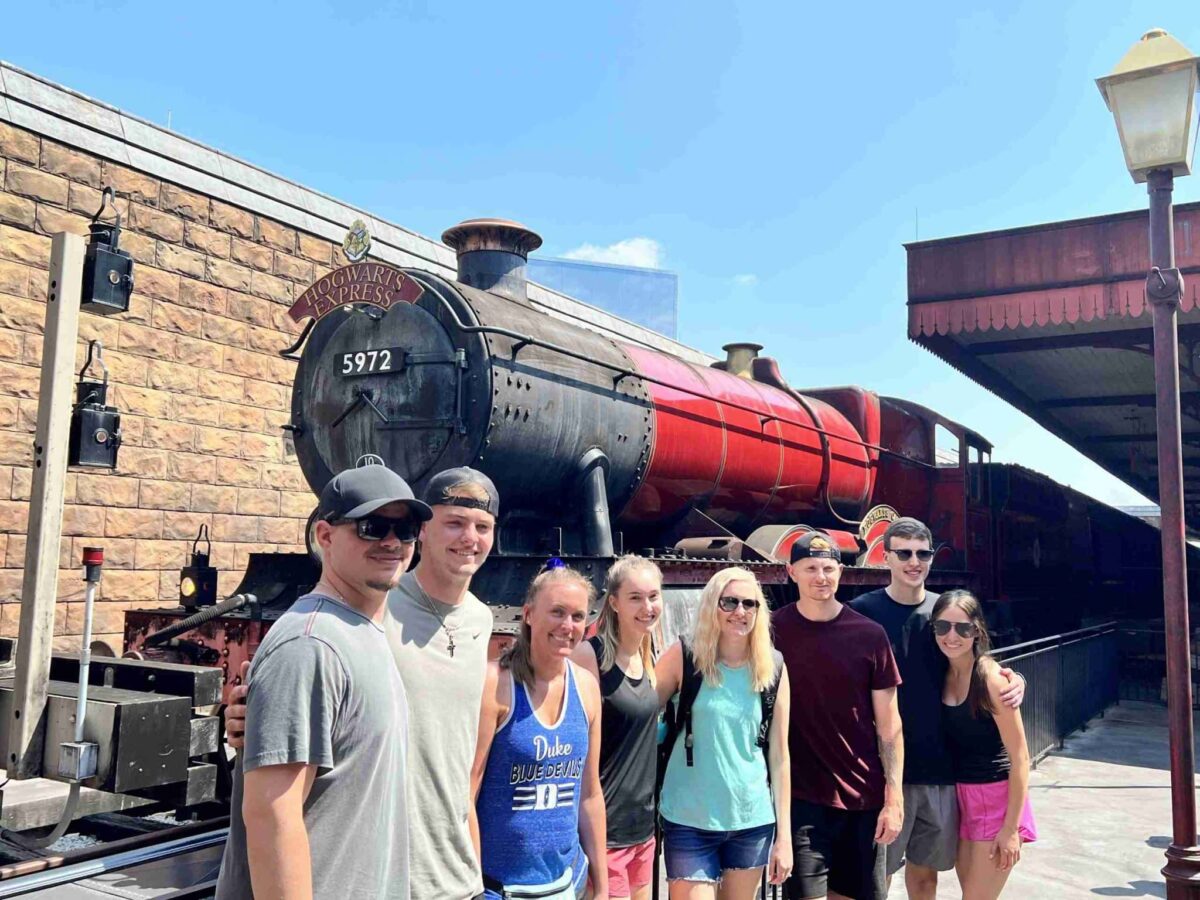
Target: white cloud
[747,279]
[638,251]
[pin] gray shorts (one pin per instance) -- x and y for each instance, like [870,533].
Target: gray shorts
[930,834]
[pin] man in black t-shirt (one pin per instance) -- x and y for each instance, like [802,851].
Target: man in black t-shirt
[928,841]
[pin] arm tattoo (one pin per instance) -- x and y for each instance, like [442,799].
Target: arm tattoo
[891,753]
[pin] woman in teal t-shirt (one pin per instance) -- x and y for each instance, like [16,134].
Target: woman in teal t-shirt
[721,814]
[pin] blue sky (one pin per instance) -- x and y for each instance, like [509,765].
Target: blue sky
[775,155]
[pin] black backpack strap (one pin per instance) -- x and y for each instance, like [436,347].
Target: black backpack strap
[768,698]
[679,714]
[688,691]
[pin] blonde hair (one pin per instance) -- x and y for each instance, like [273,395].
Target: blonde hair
[469,490]
[517,658]
[608,627]
[708,631]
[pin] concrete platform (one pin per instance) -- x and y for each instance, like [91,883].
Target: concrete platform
[1103,810]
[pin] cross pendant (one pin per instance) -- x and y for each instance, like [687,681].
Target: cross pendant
[450,646]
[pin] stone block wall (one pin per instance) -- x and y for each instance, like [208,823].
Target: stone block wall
[196,374]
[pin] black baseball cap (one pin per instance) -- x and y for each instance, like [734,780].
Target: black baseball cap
[441,490]
[356,493]
[815,545]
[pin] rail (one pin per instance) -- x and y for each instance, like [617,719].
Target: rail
[43,874]
[1069,679]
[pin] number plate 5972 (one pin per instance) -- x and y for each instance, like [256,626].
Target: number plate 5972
[370,362]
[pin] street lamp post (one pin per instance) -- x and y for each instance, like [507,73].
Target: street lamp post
[1152,94]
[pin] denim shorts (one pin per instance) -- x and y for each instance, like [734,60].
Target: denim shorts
[693,854]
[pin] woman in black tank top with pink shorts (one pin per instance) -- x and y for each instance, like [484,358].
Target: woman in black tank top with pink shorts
[987,744]
[621,658]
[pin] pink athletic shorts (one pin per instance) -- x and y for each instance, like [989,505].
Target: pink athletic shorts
[981,811]
[630,868]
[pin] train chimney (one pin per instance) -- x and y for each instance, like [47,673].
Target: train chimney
[492,254]
[739,359]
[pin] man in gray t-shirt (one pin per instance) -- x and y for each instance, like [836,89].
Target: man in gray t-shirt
[319,698]
[439,632]
[320,802]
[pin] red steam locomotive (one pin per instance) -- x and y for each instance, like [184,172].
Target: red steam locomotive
[601,446]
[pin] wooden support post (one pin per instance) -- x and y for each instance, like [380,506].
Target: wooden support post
[39,590]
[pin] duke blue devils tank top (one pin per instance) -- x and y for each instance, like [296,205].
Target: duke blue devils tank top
[529,800]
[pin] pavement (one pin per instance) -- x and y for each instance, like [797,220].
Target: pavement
[1103,810]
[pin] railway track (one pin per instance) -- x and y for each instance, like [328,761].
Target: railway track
[176,863]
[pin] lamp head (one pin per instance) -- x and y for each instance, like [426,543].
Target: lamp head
[1152,96]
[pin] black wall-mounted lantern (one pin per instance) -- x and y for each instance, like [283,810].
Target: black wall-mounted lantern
[107,270]
[198,581]
[95,427]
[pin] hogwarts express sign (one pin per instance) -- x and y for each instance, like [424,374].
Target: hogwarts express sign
[363,282]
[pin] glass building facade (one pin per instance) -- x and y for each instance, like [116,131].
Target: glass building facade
[648,297]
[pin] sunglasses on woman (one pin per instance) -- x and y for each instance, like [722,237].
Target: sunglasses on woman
[906,555]
[965,629]
[376,528]
[729,604]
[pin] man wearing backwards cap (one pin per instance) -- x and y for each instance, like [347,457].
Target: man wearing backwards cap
[438,633]
[845,738]
[327,727]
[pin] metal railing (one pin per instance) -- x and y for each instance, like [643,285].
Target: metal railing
[1069,679]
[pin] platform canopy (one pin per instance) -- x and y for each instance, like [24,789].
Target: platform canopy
[1054,319]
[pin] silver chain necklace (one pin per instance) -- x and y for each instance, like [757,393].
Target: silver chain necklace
[432,607]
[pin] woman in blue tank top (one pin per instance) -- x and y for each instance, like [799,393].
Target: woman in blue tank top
[725,798]
[538,816]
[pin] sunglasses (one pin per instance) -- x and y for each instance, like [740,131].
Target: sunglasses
[376,528]
[906,555]
[729,604]
[965,629]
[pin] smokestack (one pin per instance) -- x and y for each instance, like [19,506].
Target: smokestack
[739,359]
[492,254]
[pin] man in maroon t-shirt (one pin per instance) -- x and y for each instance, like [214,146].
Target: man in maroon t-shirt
[845,738]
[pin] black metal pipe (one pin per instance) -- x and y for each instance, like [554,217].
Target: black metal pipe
[499,271]
[236,602]
[593,497]
[1057,638]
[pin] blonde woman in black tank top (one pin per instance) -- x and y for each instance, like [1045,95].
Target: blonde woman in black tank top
[621,657]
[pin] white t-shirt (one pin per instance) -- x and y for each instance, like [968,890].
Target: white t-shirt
[444,695]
